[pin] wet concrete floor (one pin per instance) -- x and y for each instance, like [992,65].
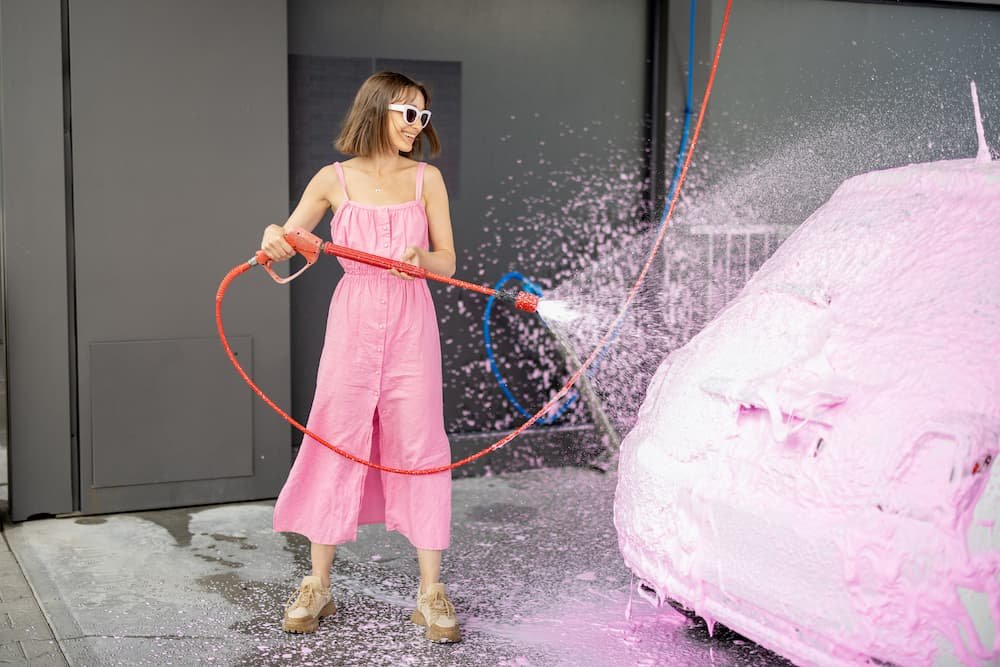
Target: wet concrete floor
[533,570]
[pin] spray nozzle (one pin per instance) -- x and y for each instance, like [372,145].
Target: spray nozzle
[520,299]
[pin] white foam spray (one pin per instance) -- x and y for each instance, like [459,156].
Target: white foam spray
[555,310]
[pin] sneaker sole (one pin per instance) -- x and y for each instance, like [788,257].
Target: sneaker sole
[306,625]
[436,633]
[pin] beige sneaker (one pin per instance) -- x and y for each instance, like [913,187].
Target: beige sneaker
[435,610]
[304,609]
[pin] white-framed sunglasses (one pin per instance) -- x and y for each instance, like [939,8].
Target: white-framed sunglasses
[412,114]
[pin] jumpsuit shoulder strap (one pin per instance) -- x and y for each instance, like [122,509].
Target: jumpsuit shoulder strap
[340,175]
[420,179]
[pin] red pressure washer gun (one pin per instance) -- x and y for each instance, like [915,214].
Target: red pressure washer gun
[311,246]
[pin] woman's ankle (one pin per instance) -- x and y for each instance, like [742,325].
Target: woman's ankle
[426,584]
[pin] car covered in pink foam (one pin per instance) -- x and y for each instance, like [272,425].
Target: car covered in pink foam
[814,469]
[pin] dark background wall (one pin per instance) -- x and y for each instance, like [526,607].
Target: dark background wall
[546,90]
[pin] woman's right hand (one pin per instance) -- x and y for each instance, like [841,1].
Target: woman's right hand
[274,244]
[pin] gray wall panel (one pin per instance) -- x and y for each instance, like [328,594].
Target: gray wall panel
[150,425]
[180,161]
[34,257]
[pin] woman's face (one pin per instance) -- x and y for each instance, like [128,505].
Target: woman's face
[401,133]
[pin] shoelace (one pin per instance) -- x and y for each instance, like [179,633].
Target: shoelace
[441,605]
[300,598]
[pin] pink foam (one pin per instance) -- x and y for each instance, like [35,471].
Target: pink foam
[814,469]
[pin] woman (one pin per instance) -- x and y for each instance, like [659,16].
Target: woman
[378,387]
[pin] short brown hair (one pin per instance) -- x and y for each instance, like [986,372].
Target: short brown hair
[364,129]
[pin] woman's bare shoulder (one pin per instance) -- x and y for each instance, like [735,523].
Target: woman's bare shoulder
[433,178]
[327,174]
[327,181]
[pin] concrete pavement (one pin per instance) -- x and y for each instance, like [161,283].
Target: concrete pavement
[534,572]
[25,635]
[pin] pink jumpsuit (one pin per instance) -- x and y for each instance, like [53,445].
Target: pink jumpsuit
[378,395]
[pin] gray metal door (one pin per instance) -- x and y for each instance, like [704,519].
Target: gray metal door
[179,160]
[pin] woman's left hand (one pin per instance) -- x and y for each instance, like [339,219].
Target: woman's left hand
[412,255]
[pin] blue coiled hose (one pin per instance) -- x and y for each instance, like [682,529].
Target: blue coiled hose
[530,288]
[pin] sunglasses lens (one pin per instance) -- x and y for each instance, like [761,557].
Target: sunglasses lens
[410,115]
[425,117]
